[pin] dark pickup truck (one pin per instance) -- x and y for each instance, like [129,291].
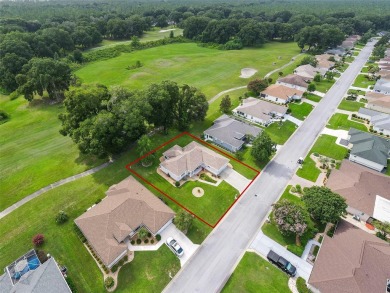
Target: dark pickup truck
[282,263]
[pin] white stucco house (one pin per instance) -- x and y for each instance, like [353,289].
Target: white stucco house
[180,162]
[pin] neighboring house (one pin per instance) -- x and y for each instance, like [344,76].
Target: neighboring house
[281,94]
[295,81]
[347,44]
[352,261]
[230,133]
[27,274]
[382,86]
[384,67]
[368,150]
[385,74]
[379,102]
[308,71]
[127,207]
[380,121]
[260,111]
[339,51]
[366,192]
[324,63]
[188,161]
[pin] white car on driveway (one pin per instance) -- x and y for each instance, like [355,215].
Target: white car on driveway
[175,247]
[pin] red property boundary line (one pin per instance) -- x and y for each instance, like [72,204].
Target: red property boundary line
[128,167]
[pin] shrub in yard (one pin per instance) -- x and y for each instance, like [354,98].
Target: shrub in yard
[152,241]
[120,263]
[146,241]
[149,234]
[71,285]
[38,239]
[293,189]
[143,233]
[331,231]
[299,188]
[125,258]
[42,256]
[316,155]
[158,237]
[109,282]
[114,268]
[98,200]
[301,285]
[61,217]
[177,183]
[132,242]
[139,241]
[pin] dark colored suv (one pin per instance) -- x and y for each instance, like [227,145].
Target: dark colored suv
[282,263]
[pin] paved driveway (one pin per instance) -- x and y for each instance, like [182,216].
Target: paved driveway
[262,245]
[187,245]
[235,179]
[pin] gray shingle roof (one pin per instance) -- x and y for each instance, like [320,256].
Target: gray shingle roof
[46,278]
[369,147]
[382,85]
[226,130]
[368,112]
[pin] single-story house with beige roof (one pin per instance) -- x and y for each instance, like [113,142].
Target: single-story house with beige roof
[110,224]
[352,261]
[295,81]
[378,102]
[308,71]
[281,94]
[384,74]
[366,192]
[259,111]
[180,162]
[323,61]
[382,86]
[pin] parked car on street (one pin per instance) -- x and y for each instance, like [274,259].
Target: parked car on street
[175,247]
[282,263]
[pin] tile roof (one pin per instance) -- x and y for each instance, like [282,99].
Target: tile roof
[295,80]
[353,261]
[281,91]
[359,185]
[378,99]
[191,157]
[128,205]
[308,71]
[46,278]
[369,146]
[260,109]
[231,130]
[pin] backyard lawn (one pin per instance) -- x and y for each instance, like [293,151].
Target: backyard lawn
[300,111]
[326,146]
[148,272]
[210,70]
[363,82]
[281,133]
[313,97]
[352,106]
[256,275]
[341,121]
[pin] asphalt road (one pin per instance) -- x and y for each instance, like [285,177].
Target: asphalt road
[211,266]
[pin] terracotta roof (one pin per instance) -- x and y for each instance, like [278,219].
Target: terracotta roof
[260,109]
[191,157]
[353,261]
[128,205]
[359,185]
[281,91]
[378,99]
[295,80]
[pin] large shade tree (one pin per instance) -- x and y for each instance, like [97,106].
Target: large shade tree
[262,147]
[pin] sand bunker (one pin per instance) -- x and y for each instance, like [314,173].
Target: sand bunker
[168,30]
[247,72]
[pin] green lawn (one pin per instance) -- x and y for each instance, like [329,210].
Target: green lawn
[300,111]
[211,206]
[349,59]
[288,69]
[326,146]
[148,272]
[271,230]
[340,121]
[324,85]
[33,153]
[155,34]
[352,106]
[363,82]
[210,70]
[313,97]
[256,275]
[388,168]
[280,134]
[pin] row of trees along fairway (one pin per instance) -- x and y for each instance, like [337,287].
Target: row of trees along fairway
[104,122]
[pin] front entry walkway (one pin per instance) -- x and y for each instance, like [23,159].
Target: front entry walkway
[235,179]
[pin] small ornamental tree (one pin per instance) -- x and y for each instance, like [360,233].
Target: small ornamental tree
[290,218]
[144,147]
[311,87]
[143,233]
[309,60]
[183,221]
[38,239]
[262,147]
[317,77]
[383,227]
[257,85]
[329,76]
[323,204]
[225,105]
[109,282]
[61,217]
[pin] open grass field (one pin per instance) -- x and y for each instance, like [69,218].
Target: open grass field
[362,81]
[352,106]
[281,133]
[148,272]
[210,70]
[341,121]
[326,146]
[256,275]
[300,111]
[33,153]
